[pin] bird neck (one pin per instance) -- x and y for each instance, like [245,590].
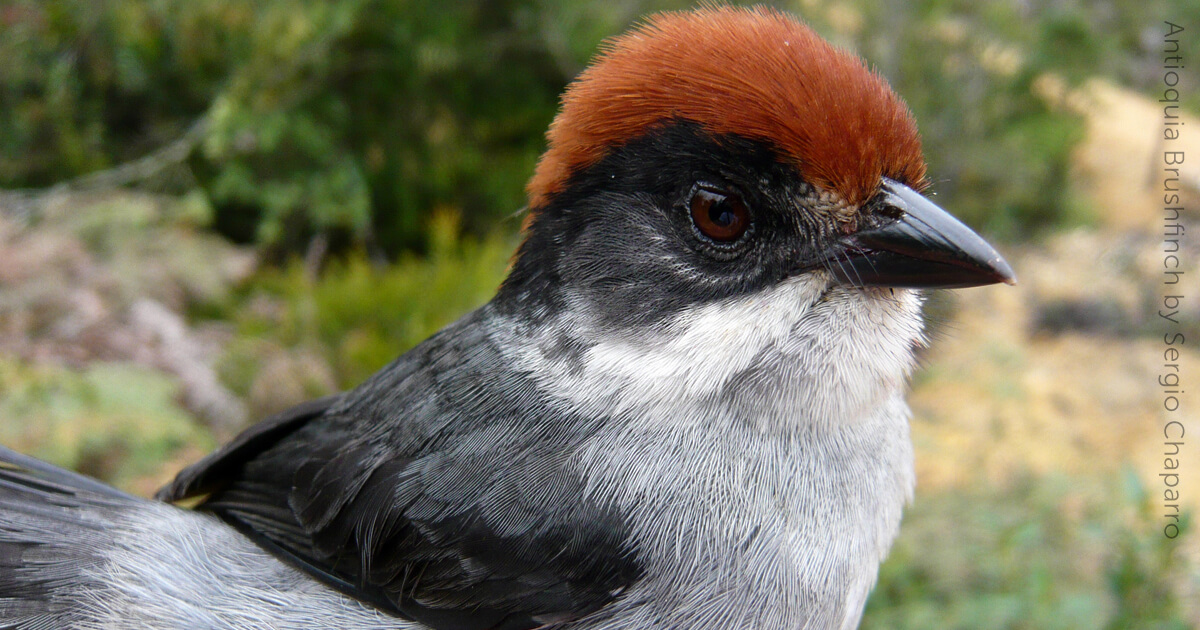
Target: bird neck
[796,355]
[780,415]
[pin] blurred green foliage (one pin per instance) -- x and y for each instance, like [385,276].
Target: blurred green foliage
[981,77]
[1042,553]
[115,421]
[354,119]
[360,316]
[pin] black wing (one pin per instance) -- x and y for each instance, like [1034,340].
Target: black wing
[433,491]
[218,468]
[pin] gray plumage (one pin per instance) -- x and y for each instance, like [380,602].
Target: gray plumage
[74,556]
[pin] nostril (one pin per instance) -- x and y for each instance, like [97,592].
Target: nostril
[890,211]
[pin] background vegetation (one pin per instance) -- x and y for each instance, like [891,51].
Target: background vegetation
[356,118]
[215,209]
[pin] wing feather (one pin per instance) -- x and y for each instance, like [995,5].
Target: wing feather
[447,500]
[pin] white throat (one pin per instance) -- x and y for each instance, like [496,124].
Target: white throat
[800,353]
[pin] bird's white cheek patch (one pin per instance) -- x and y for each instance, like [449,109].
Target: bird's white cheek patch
[704,346]
[843,348]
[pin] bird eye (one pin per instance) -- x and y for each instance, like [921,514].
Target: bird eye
[721,216]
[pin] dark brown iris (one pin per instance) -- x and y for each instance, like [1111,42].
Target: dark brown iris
[721,216]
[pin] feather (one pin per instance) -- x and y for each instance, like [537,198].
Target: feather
[756,73]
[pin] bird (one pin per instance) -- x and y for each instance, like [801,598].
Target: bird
[684,408]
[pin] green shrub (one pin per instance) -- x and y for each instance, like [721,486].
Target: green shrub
[115,421]
[360,315]
[353,119]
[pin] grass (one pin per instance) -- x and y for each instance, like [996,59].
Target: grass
[115,421]
[359,316]
[1044,552]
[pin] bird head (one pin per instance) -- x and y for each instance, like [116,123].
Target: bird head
[730,161]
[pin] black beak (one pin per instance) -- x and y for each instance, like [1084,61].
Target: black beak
[923,247]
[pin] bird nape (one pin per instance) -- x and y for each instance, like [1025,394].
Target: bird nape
[684,408]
